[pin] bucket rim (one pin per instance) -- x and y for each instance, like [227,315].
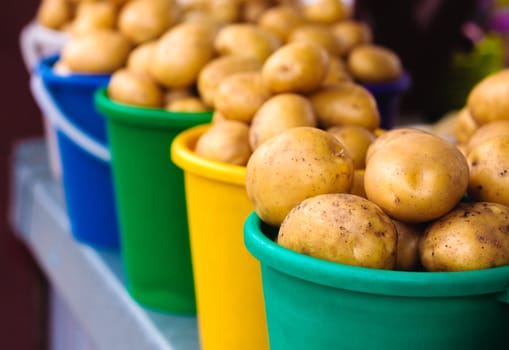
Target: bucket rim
[144,116]
[394,86]
[182,154]
[78,80]
[368,280]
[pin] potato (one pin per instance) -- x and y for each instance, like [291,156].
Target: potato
[134,89]
[187,104]
[181,53]
[465,126]
[246,39]
[140,58]
[318,34]
[225,11]
[342,228]
[337,72]
[369,63]
[278,113]
[324,11]
[82,54]
[54,14]
[407,253]
[358,184]
[296,164]
[201,16]
[352,33]
[296,67]
[487,101]
[487,132]
[225,141]
[416,177]
[356,140]
[92,16]
[489,170]
[217,117]
[252,10]
[472,236]
[172,95]
[345,103]
[281,20]
[387,137]
[219,68]
[145,20]
[239,95]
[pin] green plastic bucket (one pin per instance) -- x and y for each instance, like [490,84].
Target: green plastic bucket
[150,197]
[317,304]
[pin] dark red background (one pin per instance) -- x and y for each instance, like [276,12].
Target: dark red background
[23,314]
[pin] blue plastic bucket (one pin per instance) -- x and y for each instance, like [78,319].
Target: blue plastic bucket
[74,96]
[388,96]
[85,160]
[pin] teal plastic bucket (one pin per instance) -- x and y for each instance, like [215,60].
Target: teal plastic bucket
[317,304]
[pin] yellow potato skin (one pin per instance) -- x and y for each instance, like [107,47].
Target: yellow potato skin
[140,58]
[81,54]
[246,39]
[187,104]
[345,103]
[296,164]
[225,141]
[387,137]
[416,177]
[142,21]
[318,34]
[358,184]
[487,132]
[134,89]
[343,228]
[92,16]
[281,20]
[356,139]
[219,68]
[239,95]
[181,53]
[409,236]
[54,14]
[352,33]
[488,100]
[472,236]
[279,113]
[371,63]
[299,67]
[489,170]
[464,126]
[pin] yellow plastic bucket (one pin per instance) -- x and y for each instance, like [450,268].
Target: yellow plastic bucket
[228,287]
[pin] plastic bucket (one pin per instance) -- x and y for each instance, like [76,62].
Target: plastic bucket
[388,96]
[228,286]
[87,182]
[316,304]
[74,96]
[151,203]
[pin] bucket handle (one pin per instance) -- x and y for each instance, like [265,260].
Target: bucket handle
[56,118]
[32,39]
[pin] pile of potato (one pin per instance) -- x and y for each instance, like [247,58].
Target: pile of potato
[189,55]
[426,202]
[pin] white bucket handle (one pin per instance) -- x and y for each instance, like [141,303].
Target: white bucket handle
[56,118]
[37,41]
